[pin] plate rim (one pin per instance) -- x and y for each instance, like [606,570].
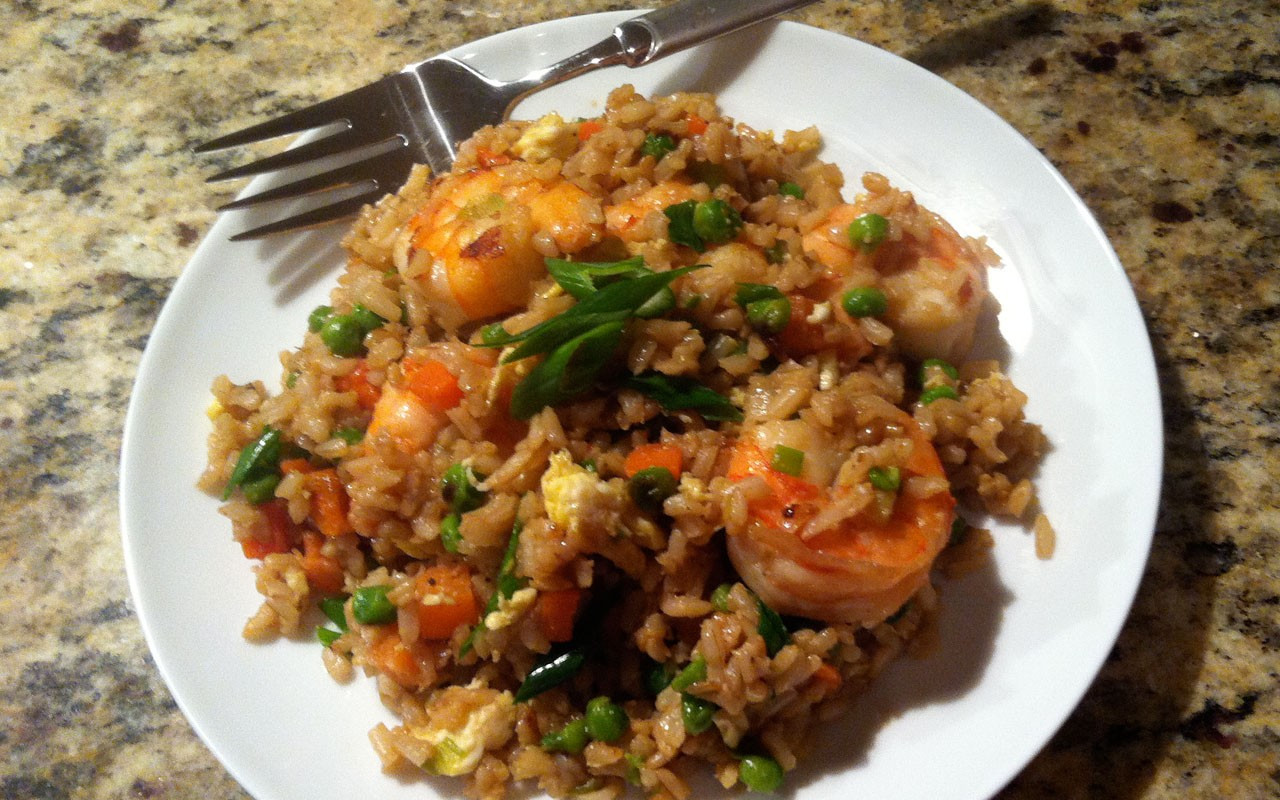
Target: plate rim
[151,358]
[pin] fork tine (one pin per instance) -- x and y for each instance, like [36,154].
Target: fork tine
[330,145]
[313,116]
[311,218]
[365,170]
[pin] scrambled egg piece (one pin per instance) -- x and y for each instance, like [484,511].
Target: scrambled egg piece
[486,726]
[694,489]
[549,137]
[510,609]
[214,410]
[574,496]
[820,314]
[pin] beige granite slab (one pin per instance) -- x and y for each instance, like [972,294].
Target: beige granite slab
[1164,115]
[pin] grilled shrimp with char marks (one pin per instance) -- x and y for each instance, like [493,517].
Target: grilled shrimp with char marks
[477,246]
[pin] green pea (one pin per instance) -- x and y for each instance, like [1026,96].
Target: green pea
[886,478]
[716,221]
[720,597]
[651,487]
[260,490]
[937,363]
[749,293]
[760,773]
[769,316]
[451,532]
[657,145]
[366,319]
[864,301]
[937,392]
[787,460]
[791,188]
[606,720]
[349,435]
[868,231]
[572,738]
[697,714]
[327,636]
[695,671]
[343,335]
[458,485]
[318,317]
[371,606]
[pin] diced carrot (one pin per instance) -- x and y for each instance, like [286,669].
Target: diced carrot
[829,677]
[655,454]
[557,610]
[445,600]
[329,503]
[324,572]
[357,380]
[393,657]
[588,128]
[274,534]
[801,337]
[292,465]
[488,158]
[432,383]
[697,125]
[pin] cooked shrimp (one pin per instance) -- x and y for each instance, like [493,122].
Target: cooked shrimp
[411,410]
[859,565]
[473,245]
[402,416]
[624,219]
[934,280]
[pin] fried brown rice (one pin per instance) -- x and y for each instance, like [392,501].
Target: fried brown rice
[627,445]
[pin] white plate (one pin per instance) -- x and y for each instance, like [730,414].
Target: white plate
[1020,641]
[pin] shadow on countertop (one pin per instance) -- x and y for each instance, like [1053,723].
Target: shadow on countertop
[974,40]
[1133,714]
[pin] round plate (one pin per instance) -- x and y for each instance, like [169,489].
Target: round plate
[1020,641]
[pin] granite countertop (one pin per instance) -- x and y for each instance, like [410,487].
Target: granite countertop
[1164,116]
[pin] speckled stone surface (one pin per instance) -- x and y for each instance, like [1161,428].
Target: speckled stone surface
[1165,117]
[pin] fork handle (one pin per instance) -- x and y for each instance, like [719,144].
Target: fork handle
[651,36]
[689,22]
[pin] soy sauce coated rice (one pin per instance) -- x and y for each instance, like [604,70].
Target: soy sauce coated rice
[352,510]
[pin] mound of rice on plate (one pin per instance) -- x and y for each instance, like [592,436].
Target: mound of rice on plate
[627,445]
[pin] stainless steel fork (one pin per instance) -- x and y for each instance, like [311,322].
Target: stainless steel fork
[420,114]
